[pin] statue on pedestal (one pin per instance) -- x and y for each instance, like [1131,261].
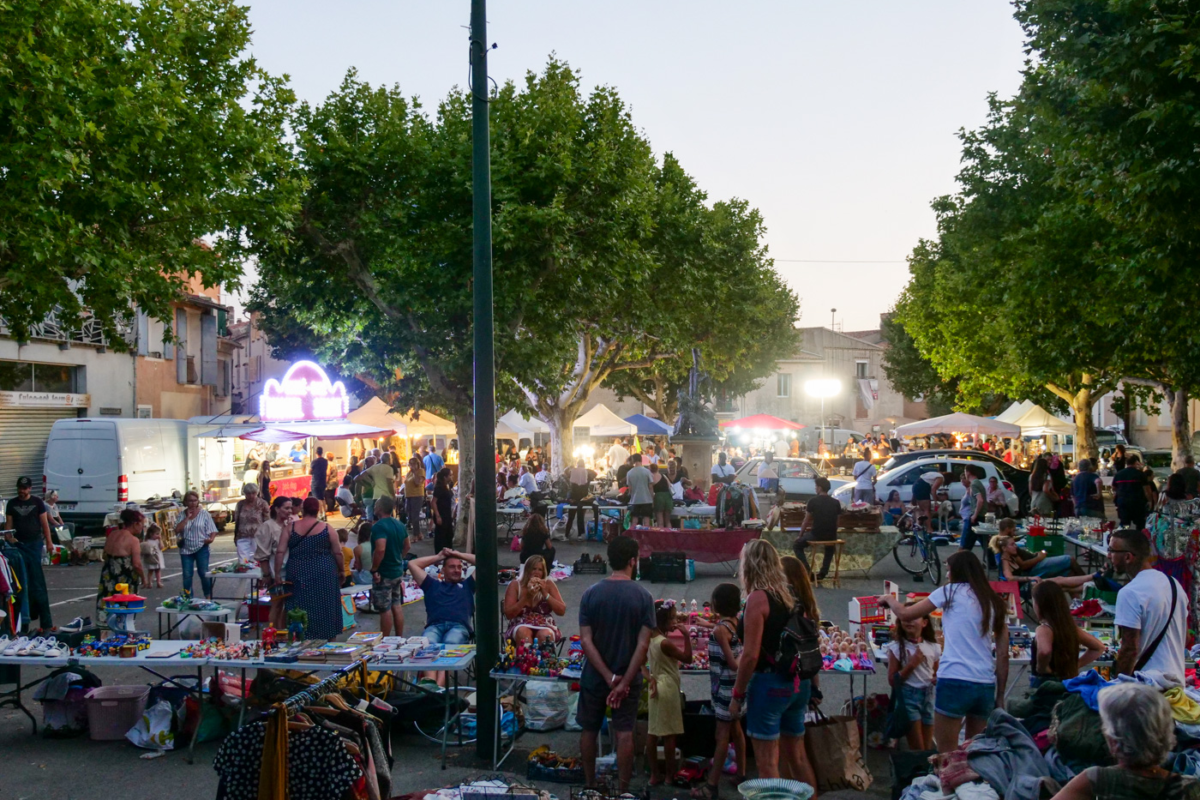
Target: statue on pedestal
[695,417]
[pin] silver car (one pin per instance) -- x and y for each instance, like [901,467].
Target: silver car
[904,476]
[797,478]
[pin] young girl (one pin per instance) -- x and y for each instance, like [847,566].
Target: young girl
[153,561]
[724,649]
[1056,642]
[970,678]
[893,509]
[666,707]
[913,657]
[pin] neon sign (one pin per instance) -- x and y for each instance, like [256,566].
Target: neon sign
[305,394]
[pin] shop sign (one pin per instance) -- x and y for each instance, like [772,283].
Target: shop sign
[44,400]
[304,395]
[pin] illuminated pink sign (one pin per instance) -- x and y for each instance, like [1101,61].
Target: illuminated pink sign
[304,394]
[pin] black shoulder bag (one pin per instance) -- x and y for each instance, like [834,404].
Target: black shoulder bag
[1148,653]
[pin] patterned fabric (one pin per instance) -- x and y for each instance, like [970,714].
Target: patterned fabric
[723,675]
[315,583]
[116,569]
[195,532]
[249,515]
[540,617]
[319,767]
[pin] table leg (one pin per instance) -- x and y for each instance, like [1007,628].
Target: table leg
[242,707]
[1021,670]
[13,699]
[446,721]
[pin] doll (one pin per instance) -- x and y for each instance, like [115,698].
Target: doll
[864,658]
[844,663]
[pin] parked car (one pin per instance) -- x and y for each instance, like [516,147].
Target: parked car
[1159,462]
[904,476]
[797,478]
[1019,478]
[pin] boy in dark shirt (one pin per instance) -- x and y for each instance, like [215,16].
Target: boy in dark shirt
[820,525]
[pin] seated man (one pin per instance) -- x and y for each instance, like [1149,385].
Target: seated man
[514,490]
[449,602]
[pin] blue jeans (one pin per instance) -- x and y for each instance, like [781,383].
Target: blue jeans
[368,508]
[35,582]
[776,705]
[957,698]
[968,541]
[1051,567]
[196,561]
[447,633]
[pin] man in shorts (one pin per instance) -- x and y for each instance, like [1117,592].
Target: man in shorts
[389,546]
[616,617]
[449,602]
[641,493]
[924,490]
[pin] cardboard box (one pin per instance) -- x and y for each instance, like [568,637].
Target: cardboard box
[227,632]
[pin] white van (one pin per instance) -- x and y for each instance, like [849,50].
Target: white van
[97,463]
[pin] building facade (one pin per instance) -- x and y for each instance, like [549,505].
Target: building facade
[253,364]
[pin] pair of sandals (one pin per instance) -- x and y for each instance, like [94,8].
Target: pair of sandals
[707,791]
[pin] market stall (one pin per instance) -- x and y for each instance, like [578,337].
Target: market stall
[712,546]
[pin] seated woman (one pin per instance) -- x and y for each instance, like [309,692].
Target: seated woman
[893,509]
[1056,642]
[535,540]
[531,602]
[1022,566]
[1140,733]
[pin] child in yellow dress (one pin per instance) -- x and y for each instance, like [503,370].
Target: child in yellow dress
[666,702]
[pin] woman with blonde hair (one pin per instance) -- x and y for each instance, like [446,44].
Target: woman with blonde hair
[775,702]
[531,602]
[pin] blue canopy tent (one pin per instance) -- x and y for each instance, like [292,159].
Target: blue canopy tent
[648,426]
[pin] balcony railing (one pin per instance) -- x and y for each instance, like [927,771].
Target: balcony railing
[89,332]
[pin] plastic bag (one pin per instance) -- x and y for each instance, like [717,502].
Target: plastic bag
[546,705]
[190,627]
[153,730]
[572,711]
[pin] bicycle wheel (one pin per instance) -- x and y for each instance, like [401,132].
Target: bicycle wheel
[933,562]
[910,555]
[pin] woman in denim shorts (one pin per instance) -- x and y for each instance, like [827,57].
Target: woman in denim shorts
[973,616]
[775,703]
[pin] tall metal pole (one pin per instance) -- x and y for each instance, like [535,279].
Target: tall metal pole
[488,608]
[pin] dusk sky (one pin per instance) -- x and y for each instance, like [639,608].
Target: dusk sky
[836,120]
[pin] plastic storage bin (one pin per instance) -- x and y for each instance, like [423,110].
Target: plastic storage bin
[113,710]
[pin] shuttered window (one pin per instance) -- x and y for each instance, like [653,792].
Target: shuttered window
[25,432]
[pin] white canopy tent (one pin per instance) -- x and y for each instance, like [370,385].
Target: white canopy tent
[376,413]
[1016,411]
[429,424]
[604,422]
[1038,422]
[280,432]
[959,423]
[517,422]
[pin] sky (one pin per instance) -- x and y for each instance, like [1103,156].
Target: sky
[836,120]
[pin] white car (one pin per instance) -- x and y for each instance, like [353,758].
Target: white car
[797,477]
[904,476]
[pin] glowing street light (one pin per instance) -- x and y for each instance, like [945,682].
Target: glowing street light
[822,388]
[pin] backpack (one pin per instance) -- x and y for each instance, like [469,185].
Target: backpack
[799,653]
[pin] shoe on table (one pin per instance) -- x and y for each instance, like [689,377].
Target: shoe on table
[32,645]
[56,649]
[15,646]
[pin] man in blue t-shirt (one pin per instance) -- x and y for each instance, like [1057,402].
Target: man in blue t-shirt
[433,462]
[449,602]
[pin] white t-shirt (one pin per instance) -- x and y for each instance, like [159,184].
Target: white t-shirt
[864,474]
[930,477]
[968,654]
[1145,604]
[782,449]
[922,676]
[726,471]
[617,455]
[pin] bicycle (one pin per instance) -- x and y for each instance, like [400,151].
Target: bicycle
[917,550]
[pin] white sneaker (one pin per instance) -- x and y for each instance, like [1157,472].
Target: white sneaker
[55,649]
[15,646]
[31,648]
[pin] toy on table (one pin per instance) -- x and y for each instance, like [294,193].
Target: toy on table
[268,636]
[297,624]
[112,646]
[535,660]
[122,607]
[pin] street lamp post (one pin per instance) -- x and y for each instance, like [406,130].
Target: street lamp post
[822,388]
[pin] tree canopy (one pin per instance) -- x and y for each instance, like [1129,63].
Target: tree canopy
[129,133]
[606,260]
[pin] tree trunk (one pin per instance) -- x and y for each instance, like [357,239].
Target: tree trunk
[1085,428]
[562,438]
[1181,434]
[465,423]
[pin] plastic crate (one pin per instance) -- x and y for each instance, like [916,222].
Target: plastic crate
[536,772]
[669,567]
[113,710]
[590,567]
[1052,543]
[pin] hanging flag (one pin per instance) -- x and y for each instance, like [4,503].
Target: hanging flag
[637,444]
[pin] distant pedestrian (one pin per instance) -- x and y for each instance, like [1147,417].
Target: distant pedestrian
[318,471]
[249,513]
[26,517]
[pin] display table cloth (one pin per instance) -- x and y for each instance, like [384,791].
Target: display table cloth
[711,546]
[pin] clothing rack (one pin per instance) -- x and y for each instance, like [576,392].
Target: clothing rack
[322,687]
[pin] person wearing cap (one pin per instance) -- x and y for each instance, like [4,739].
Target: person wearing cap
[26,517]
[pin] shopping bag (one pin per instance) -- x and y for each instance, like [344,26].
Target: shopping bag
[835,753]
[153,730]
[546,705]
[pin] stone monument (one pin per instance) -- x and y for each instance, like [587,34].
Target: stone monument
[696,430]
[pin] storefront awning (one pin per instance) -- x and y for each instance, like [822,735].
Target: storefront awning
[229,431]
[291,431]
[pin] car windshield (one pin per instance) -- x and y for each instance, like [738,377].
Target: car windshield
[1158,460]
[784,468]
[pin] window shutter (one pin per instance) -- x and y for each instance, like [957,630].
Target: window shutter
[143,333]
[208,350]
[181,373]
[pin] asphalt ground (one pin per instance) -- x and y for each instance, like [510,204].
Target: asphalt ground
[80,769]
